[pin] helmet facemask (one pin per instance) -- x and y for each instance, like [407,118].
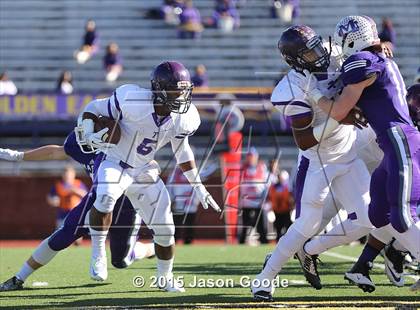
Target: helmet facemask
[314,57]
[177,100]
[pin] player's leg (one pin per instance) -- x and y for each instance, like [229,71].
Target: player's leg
[111,180]
[69,232]
[311,191]
[403,186]
[153,204]
[379,217]
[123,235]
[352,190]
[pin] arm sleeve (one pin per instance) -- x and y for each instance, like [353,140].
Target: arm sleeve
[182,150]
[99,107]
[358,68]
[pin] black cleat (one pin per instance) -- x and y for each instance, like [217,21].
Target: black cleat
[394,265]
[309,266]
[13,284]
[262,296]
[359,275]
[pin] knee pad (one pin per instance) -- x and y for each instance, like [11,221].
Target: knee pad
[309,221]
[104,203]
[165,239]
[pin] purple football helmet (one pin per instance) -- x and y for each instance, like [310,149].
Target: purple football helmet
[413,100]
[171,86]
[302,48]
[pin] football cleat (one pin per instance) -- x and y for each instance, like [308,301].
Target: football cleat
[13,284]
[260,293]
[359,275]
[172,285]
[262,296]
[310,268]
[394,264]
[98,268]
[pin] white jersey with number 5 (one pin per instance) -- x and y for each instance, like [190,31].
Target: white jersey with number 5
[143,132]
[292,102]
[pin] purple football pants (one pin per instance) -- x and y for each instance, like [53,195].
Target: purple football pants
[395,184]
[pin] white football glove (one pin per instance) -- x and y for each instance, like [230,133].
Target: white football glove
[11,155]
[308,83]
[205,198]
[96,139]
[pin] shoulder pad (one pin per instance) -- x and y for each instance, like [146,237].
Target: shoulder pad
[186,124]
[286,91]
[135,102]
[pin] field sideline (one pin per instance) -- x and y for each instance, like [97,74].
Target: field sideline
[65,282]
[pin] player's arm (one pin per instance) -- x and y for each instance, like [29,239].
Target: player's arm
[85,129]
[47,152]
[341,107]
[186,161]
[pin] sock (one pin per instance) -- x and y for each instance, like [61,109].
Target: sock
[24,272]
[143,250]
[164,267]
[287,246]
[339,235]
[98,238]
[369,254]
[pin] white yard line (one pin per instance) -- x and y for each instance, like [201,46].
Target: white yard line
[354,259]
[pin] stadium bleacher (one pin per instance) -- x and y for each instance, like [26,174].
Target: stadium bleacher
[38,38]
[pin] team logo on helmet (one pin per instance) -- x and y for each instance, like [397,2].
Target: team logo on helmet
[352,26]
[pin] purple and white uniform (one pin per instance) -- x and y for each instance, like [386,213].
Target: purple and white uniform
[125,223]
[395,184]
[329,168]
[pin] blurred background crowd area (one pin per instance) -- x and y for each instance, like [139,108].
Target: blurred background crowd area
[56,56]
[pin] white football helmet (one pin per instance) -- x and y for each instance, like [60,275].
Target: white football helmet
[355,33]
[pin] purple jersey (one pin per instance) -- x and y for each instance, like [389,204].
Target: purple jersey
[383,103]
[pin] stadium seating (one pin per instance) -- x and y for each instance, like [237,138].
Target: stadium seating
[38,38]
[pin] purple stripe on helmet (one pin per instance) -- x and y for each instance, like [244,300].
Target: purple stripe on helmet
[300,182]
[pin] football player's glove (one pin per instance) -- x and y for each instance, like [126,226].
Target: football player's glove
[205,198]
[88,140]
[11,155]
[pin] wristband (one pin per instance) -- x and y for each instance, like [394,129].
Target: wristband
[193,177]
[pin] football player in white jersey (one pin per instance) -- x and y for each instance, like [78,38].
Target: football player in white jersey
[328,162]
[148,119]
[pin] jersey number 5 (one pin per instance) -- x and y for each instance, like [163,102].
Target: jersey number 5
[145,148]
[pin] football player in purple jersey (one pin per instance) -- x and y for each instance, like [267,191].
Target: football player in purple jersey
[393,252]
[125,248]
[374,83]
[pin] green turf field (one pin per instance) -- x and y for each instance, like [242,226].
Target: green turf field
[66,281]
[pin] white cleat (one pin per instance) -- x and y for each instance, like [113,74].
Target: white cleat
[98,268]
[172,285]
